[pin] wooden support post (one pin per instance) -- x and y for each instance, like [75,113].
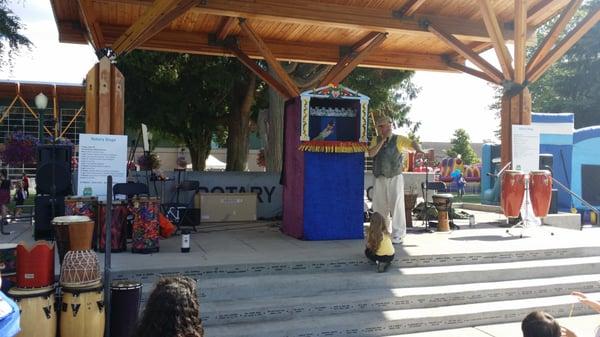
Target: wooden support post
[520,39]
[516,110]
[104,99]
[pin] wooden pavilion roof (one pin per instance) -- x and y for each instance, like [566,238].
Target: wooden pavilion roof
[312,31]
[28,90]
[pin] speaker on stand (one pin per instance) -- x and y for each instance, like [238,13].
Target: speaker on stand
[53,183]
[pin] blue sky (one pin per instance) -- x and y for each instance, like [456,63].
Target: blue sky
[447,101]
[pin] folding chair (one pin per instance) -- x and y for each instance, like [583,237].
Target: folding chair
[184,213]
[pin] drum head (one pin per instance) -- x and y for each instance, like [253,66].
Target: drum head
[4,246]
[443,196]
[70,219]
[83,289]
[29,292]
[125,285]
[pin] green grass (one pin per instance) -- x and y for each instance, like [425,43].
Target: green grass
[470,198]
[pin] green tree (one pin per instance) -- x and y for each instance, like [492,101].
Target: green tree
[573,83]
[461,144]
[190,99]
[11,40]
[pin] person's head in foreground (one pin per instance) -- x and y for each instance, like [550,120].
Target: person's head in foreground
[540,324]
[172,310]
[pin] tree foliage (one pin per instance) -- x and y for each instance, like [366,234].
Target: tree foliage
[185,97]
[389,91]
[573,83]
[11,41]
[461,144]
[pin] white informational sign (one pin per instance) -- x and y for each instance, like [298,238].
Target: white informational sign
[525,148]
[99,157]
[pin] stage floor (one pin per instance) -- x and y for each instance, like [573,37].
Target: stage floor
[261,242]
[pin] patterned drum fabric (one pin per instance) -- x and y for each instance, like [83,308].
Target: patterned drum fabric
[145,231]
[118,227]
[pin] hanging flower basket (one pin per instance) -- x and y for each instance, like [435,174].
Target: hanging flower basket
[148,161]
[19,149]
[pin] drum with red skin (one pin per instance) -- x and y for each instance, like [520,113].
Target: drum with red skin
[513,191]
[540,190]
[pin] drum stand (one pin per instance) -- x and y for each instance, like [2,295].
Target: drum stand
[524,223]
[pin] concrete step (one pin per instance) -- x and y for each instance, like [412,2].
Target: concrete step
[365,300]
[239,288]
[395,322]
[356,262]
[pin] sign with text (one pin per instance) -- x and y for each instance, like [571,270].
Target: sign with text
[99,157]
[525,148]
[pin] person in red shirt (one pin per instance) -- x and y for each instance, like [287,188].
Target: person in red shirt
[25,181]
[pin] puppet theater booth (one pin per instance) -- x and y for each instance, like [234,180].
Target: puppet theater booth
[323,179]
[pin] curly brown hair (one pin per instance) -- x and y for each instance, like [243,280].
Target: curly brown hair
[172,310]
[375,232]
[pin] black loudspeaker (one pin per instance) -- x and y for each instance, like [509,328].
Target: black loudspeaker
[54,168]
[43,215]
[546,161]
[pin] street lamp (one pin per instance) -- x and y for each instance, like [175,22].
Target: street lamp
[41,102]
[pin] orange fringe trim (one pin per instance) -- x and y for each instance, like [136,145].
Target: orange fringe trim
[332,146]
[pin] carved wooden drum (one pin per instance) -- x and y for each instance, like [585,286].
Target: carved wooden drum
[540,190]
[513,191]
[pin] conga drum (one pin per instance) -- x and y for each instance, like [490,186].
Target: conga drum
[540,191]
[513,191]
[80,268]
[118,225]
[443,204]
[35,265]
[86,206]
[73,232]
[82,311]
[145,231]
[8,258]
[38,311]
[125,304]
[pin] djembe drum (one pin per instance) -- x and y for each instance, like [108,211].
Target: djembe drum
[513,189]
[82,311]
[410,200]
[125,305]
[443,204]
[8,258]
[35,265]
[38,311]
[73,232]
[80,268]
[118,226]
[145,231]
[540,191]
[86,206]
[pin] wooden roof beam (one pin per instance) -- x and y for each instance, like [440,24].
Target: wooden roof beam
[544,10]
[332,15]
[154,19]
[520,39]
[466,52]
[541,12]
[553,35]
[491,23]
[225,27]
[272,61]
[91,24]
[474,72]
[567,42]
[359,51]
[409,8]
[202,43]
[260,72]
